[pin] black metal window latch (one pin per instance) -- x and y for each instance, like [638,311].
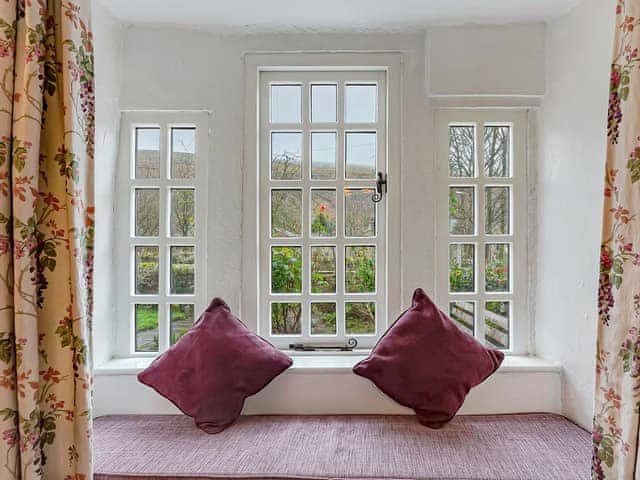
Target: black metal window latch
[310,347]
[381,188]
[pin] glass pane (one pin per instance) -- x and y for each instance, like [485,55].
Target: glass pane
[286,103]
[181,318]
[182,270]
[360,318]
[497,210]
[286,318]
[360,269]
[323,269]
[496,324]
[461,211]
[323,213]
[360,155]
[496,151]
[146,270]
[147,153]
[462,151]
[461,267]
[286,213]
[182,212]
[324,103]
[463,313]
[286,269]
[147,221]
[183,153]
[286,156]
[323,155]
[360,213]
[361,103]
[323,319]
[146,319]
[497,267]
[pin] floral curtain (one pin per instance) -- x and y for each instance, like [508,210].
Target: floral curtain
[617,405]
[46,238]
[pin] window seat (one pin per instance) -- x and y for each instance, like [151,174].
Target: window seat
[519,446]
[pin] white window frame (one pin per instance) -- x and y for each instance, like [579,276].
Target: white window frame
[519,331]
[125,234]
[253,276]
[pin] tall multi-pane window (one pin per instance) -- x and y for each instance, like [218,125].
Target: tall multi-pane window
[482,224]
[323,140]
[163,227]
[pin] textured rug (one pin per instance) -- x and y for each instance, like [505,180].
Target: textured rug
[531,447]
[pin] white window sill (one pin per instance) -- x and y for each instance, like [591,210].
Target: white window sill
[319,363]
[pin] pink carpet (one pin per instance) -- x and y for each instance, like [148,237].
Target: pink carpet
[505,447]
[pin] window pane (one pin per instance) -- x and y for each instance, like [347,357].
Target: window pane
[286,318]
[323,269]
[497,210]
[323,155]
[183,153]
[182,212]
[286,269]
[147,153]
[323,319]
[461,211]
[463,313]
[182,270]
[496,151]
[360,269]
[181,318]
[146,270]
[360,155]
[323,213]
[360,318]
[462,151]
[496,324]
[360,213]
[146,327]
[286,213]
[286,103]
[147,221]
[286,156]
[461,267]
[324,103]
[361,102]
[497,267]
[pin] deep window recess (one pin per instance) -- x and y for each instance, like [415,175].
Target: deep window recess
[323,140]
[482,224]
[162,227]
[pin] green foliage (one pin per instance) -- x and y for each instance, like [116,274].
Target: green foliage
[322,226]
[286,269]
[360,270]
[146,317]
[360,318]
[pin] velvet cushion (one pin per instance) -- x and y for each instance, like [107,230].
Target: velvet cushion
[425,362]
[210,371]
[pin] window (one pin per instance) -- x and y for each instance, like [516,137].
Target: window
[162,227]
[323,247]
[482,224]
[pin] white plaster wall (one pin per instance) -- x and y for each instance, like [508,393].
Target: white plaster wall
[487,59]
[108,63]
[570,185]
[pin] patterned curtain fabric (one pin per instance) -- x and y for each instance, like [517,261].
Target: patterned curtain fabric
[615,431]
[46,238]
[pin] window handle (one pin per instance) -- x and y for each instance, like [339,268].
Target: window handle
[381,188]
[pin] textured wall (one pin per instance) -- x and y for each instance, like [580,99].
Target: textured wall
[570,185]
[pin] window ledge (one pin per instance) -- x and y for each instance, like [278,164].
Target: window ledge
[322,364]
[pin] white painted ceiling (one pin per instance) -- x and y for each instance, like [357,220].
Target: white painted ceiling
[326,15]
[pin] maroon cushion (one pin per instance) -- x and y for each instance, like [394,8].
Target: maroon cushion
[210,371]
[425,362]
